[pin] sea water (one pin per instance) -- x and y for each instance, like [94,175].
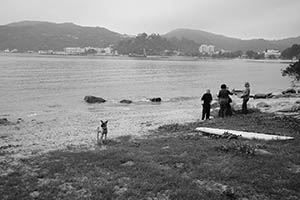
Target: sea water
[47,93]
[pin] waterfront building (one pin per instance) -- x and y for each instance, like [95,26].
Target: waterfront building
[271,53]
[203,49]
[74,50]
[211,49]
[45,52]
[207,49]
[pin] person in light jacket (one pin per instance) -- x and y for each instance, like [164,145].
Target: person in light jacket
[245,96]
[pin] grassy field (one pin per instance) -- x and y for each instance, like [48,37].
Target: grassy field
[173,162]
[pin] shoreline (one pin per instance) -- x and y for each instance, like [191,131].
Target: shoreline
[28,140]
[150,58]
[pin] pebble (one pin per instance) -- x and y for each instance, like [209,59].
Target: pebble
[35,194]
[128,163]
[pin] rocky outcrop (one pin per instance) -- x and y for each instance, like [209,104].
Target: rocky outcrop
[262,105]
[93,99]
[291,108]
[295,108]
[289,91]
[156,99]
[4,121]
[126,101]
[262,96]
[276,95]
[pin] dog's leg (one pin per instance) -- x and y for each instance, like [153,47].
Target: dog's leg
[98,135]
[102,138]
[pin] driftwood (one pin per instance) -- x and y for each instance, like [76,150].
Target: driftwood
[243,134]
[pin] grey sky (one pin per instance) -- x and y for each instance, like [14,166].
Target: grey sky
[269,19]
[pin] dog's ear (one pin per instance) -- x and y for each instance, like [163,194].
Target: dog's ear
[106,121]
[102,122]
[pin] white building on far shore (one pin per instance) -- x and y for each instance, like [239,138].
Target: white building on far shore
[108,51]
[207,49]
[74,50]
[271,53]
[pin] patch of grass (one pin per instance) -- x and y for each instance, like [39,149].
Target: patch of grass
[239,147]
[179,165]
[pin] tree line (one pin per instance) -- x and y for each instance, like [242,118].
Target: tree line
[154,44]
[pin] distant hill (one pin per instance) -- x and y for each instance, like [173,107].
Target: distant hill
[233,44]
[36,35]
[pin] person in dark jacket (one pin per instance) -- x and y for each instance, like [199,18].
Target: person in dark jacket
[206,99]
[224,101]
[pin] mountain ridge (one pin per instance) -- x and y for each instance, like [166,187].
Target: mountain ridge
[230,43]
[36,35]
[40,35]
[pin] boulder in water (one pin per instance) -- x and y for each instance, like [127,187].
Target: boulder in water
[262,96]
[155,99]
[126,101]
[4,121]
[276,95]
[93,99]
[289,91]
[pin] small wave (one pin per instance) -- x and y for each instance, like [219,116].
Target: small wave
[32,115]
[179,99]
[55,106]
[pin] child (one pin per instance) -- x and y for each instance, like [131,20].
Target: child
[206,98]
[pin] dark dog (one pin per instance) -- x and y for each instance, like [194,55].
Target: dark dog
[103,131]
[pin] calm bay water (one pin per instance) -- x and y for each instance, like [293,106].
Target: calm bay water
[50,90]
[33,83]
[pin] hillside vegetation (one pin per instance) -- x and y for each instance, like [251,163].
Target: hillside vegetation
[36,35]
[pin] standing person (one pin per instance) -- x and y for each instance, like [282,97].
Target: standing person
[224,100]
[245,96]
[206,99]
[228,108]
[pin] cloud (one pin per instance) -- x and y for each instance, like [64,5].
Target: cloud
[238,18]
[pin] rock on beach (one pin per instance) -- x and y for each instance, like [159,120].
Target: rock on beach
[289,91]
[262,104]
[93,99]
[155,99]
[262,96]
[126,101]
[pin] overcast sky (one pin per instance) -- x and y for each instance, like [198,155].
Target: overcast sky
[269,19]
